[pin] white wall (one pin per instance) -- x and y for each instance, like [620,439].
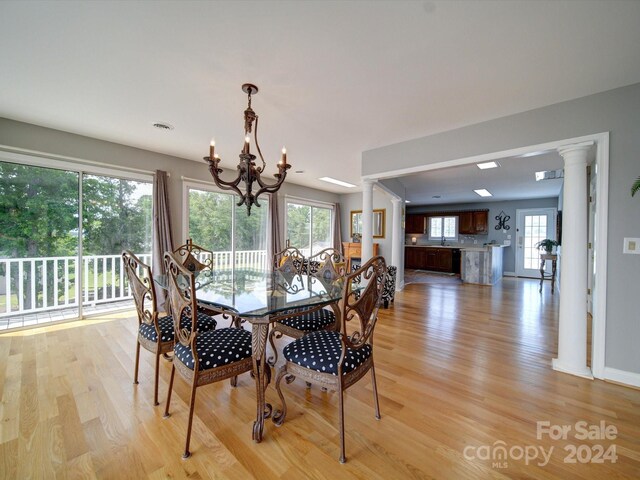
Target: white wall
[353,201]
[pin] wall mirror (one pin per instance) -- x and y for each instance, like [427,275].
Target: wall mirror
[378,223]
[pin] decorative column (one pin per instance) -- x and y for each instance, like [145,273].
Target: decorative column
[367,220]
[572,324]
[397,241]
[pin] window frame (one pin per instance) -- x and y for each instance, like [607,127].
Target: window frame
[442,219]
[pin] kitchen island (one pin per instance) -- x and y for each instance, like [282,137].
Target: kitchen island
[482,265]
[474,263]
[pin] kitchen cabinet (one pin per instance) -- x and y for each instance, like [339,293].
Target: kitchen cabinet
[415,223]
[432,258]
[473,223]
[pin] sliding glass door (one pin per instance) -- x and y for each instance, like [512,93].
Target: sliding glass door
[116,216]
[61,235]
[215,222]
[309,226]
[38,242]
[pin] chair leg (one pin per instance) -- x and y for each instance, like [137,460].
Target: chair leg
[166,408]
[375,392]
[343,457]
[155,388]
[234,381]
[135,371]
[194,386]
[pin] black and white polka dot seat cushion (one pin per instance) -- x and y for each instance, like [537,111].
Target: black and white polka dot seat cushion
[311,322]
[205,323]
[320,351]
[216,348]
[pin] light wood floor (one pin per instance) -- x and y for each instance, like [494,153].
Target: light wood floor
[459,367]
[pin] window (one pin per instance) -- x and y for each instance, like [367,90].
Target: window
[309,226]
[64,232]
[446,227]
[215,222]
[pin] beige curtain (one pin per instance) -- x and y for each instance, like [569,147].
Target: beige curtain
[337,229]
[274,245]
[162,239]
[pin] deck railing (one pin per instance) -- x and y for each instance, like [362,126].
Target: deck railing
[30,285]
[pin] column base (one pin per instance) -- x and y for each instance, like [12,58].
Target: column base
[584,372]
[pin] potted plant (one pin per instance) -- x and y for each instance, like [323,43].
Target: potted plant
[547,245]
[635,187]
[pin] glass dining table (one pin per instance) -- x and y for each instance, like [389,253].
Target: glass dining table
[262,298]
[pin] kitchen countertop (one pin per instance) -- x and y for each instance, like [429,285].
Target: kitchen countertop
[460,247]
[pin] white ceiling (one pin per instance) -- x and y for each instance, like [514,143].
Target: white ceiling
[336,78]
[513,179]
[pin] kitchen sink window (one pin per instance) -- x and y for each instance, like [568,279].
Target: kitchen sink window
[443,227]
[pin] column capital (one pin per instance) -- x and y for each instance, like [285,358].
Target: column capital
[575,154]
[395,200]
[368,183]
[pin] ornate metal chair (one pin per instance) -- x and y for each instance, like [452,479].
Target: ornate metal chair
[155,333]
[338,359]
[328,264]
[194,257]
[201,357]
[289,261]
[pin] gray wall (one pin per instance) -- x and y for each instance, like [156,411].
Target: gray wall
[498,236]
[616,111]
[46,140]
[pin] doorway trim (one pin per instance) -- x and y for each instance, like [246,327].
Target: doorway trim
[601,140]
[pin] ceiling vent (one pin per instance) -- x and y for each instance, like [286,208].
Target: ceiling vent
[549,175]
[163,126]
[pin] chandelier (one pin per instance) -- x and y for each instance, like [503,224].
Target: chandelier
[248,171]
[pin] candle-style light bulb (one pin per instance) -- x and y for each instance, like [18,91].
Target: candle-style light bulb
[246,144]
[212,148]
[283,160]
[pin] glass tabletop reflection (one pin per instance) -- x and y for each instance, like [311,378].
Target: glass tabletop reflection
[251,293]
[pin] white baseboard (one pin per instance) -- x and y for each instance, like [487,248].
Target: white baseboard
[508,274]
[622,376]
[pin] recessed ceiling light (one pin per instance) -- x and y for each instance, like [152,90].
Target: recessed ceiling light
[483,192]
[437,196]
[337,182]
[484,166]
[407,201]
[299,171]
[163,126]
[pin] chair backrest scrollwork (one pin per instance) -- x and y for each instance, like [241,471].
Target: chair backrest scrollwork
[290,261]
[362,305]
[194,257]
[181,283]
[328,264]
[142,287]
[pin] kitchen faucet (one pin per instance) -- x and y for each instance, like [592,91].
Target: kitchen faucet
[442,241]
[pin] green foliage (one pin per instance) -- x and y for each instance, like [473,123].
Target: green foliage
[635,187]
[210,222]
[547,245]
[39,213]
[303,218]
